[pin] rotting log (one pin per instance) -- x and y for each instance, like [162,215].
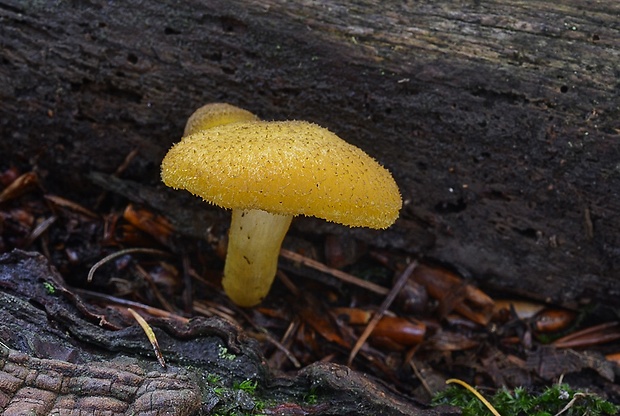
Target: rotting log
[498,118]
[59,355]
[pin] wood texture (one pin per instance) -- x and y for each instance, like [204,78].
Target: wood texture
[499,119]
[59,355]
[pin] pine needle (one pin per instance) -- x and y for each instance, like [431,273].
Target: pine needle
[475,393]
[150,335]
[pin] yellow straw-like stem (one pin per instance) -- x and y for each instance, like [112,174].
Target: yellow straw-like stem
[475,393]
[254,242]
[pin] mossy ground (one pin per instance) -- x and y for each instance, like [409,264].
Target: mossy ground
[554,400]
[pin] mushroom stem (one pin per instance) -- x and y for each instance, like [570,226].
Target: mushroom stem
[254,242]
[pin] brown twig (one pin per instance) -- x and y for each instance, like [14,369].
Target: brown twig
[288,283]
[208,308]
[153,287]
[112,256]
[398,285]
[61,202]
[346,277]
[597,334]
[425,385]
[270,338]
[287,340]
[160,313]
[119,170]
[42,227]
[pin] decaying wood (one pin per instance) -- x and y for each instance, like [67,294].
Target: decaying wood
[46,386]
[498,118]
[61,356]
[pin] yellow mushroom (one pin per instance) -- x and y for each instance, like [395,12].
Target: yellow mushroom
[216,114]
[269,172]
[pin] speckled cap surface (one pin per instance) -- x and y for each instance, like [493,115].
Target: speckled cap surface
[288,168]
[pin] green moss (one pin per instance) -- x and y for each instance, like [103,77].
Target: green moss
[49,288]
[245,398]
[248,386]
[551,401]
[312,397]
[224,354]
[240,399]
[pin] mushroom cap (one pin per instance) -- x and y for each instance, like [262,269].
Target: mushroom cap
[286,168]
[216,114]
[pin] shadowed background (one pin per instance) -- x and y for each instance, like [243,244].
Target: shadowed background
[498,119]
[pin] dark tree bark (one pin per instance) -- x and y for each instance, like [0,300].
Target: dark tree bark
[498,118]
